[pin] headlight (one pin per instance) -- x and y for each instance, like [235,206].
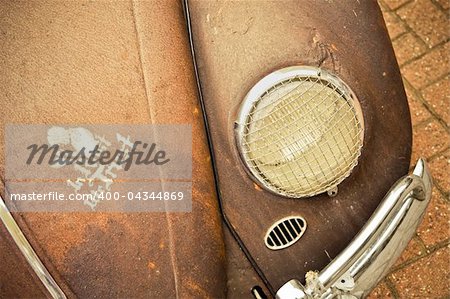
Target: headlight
[300,131]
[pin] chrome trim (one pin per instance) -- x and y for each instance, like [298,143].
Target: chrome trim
[268,82]
[367,259]
[28,252]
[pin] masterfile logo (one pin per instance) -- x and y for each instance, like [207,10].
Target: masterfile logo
[99,167]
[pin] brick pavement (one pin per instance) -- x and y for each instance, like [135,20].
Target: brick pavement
[420,31]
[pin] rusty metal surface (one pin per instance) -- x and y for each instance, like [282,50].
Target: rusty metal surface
[121,62]
[237,43]
[241,275]
[15,268]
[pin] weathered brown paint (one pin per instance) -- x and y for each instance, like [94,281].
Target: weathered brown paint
[237,43]
[83,62]
[241,275]
[16,276]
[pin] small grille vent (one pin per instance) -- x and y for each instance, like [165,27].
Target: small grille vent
[285,232]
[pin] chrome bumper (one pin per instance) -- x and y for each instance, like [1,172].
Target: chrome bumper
[368,258]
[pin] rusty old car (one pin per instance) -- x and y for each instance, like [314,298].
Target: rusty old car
[301,146]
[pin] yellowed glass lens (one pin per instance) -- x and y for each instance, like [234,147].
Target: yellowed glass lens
[302,137]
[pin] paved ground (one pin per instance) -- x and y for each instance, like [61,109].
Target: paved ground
[420,34]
